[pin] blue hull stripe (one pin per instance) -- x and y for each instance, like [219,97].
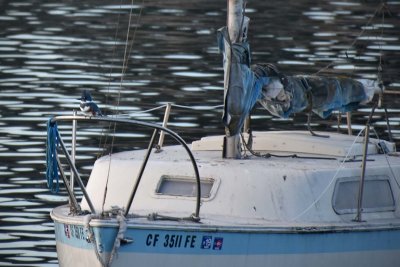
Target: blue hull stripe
[217,243]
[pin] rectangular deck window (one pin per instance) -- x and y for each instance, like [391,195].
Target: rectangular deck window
[378,195]
[183,186]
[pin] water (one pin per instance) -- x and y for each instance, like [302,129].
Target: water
[51,50]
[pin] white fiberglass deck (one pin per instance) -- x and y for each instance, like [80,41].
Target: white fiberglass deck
[253,190]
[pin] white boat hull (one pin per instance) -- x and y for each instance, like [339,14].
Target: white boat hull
[281,211]
[205,246]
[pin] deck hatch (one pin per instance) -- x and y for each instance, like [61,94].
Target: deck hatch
[183,186]
[378,195]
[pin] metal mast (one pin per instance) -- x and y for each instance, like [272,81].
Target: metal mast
[235,19]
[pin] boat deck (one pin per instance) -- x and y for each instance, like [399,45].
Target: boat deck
[305,189]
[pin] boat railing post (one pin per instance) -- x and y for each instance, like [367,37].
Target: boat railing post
[362,178]
[73,153]
[141,171]
[363,167]
[74,206]
[246,124]
[76,174]
[348,118]
[164,124]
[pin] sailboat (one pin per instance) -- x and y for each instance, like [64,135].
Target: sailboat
[297,198]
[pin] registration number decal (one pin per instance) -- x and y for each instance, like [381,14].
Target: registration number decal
[184,241]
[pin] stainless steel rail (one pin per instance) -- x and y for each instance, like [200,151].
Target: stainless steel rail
[155,126]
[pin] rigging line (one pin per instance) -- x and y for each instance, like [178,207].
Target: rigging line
[198,108]
[134,32]
[142,111]
[380,44]
[124,66]
[127,51]
[386,157]
[125,60]
[109,82]
[355,39]
[391,171]
[174,105]
[118,102]
[380,70]
[151,109]
[331,181]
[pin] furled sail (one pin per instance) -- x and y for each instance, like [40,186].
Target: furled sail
[281,95]
[242,86]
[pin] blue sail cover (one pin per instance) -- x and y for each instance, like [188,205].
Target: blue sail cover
[281,95]
[320,94]
[242,87]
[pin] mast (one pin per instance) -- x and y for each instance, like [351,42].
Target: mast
[235,19]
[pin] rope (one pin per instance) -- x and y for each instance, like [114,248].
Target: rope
[91,237]
[117,243]
[269,155]
[52,143]
[120,235]
[330,182]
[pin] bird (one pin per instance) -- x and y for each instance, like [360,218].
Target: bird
[87,106]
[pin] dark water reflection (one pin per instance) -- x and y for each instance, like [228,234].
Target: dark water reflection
[50,50]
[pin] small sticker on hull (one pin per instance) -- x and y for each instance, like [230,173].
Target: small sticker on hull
[218,241]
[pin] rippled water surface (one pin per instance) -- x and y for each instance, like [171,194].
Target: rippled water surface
[51,50]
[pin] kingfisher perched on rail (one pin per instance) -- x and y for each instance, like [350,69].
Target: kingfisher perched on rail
[88,107]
